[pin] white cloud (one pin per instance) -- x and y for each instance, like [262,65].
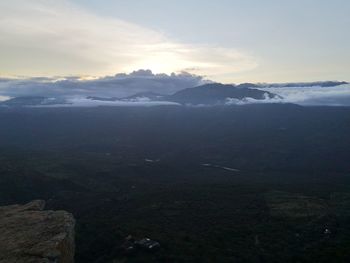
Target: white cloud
[46,37]
[84,102]
[309,96]
[4,98]
[305,96]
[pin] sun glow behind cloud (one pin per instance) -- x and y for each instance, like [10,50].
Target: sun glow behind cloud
[45,38]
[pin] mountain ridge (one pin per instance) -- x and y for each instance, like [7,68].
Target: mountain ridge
[217,93]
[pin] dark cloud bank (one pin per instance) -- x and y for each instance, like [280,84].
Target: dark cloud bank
[120,85]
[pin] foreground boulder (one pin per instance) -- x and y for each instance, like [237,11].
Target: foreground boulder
[31,235]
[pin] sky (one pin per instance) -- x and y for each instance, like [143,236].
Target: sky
[230,41]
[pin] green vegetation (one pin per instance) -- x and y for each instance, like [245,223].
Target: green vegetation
[289,202]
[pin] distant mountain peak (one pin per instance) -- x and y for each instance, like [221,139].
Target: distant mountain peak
[217,93]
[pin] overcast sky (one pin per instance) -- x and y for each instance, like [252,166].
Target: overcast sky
[224,40]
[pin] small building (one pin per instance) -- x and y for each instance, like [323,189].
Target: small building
[147,243]
[327,231]
[131,244]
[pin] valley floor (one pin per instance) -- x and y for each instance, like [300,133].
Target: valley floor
[285,195]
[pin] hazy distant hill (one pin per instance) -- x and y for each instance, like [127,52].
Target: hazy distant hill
[150,95]
[32,101]
[306,84]
[217,94]
[102,98]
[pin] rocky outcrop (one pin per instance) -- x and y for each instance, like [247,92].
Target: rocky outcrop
[31,235]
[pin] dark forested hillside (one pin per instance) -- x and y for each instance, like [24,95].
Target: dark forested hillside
[255,183]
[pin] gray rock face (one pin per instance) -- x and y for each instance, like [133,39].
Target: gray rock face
[31,235]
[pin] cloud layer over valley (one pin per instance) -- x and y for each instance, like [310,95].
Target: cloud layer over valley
[312,96]
[144,86]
